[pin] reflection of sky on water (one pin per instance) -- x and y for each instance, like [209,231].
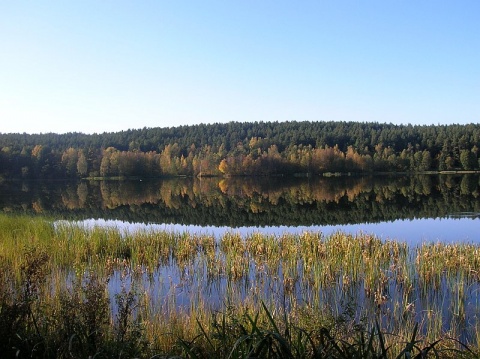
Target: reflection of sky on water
[175,286]
[411,231]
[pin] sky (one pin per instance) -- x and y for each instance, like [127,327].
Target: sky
[112,65]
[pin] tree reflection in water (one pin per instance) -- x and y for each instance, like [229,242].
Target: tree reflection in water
[275,203]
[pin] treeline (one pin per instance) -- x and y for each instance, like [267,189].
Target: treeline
[233,149]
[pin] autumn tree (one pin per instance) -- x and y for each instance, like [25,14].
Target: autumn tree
[69,162]
[82,164]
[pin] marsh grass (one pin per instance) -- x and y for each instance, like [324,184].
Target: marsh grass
[72,291]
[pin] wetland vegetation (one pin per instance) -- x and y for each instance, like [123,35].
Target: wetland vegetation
[71,291]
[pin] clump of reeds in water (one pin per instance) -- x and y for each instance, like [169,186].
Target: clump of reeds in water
[73,291]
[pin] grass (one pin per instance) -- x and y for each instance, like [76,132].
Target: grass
[73,292]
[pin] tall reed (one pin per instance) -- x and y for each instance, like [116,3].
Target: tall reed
[102,290]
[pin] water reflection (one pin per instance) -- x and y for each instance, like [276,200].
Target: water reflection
[414,208]
[413,232]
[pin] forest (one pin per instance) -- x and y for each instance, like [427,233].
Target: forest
[242,149]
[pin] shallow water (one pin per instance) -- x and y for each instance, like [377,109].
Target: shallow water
[455,229]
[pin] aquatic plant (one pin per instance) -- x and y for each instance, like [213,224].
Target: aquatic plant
[69,290]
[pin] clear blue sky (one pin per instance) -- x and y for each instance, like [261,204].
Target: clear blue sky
[96,66]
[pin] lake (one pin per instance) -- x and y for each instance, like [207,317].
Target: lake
[414,209]
[189,247]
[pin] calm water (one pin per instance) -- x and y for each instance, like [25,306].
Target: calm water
[412,209]
[413,232]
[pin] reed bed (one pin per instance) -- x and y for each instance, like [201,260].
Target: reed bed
[73,291]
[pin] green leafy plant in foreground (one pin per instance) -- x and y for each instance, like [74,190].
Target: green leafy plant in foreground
[82,328]
[66,293]
[19,323]
[234,339]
